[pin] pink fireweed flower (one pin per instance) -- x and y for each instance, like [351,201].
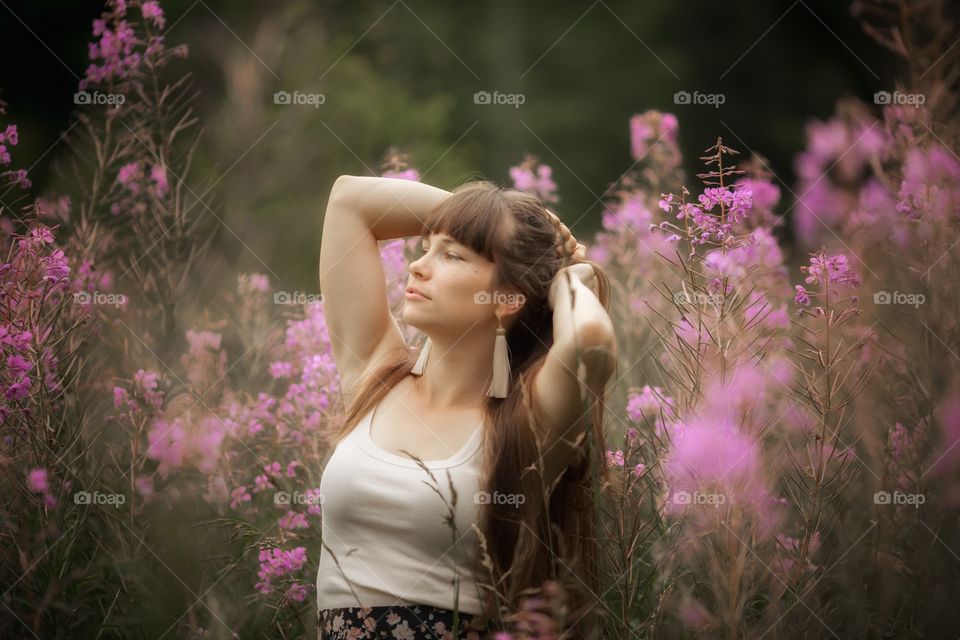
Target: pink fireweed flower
[158,174]
[128,176]
[931,184]
[712,463]
[10,135]
[19,178]
[18,365]
[536,178]
[647,404]
[56,268]
[281,369]
[293,520]
[151,11]
[277,563]
[630,213]
[261,483]
[120,397]
[146,380]
[641,132]
[314,500]
[666,202]
[37,480]
[615,458]
[237,496]
[835,269]
[250,283]
[272,469]
[715,196]
[649,128]
[297,592]
[764,196]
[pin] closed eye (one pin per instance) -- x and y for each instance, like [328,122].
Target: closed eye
[425,247]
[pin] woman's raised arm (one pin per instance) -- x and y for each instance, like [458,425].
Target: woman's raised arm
[360,211]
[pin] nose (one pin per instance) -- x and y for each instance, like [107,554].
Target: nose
[417,266]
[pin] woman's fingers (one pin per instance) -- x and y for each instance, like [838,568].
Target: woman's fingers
[568,243]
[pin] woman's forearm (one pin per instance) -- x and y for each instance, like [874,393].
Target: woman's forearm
[390,207]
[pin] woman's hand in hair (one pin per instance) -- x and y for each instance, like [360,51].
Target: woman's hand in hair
[568,244]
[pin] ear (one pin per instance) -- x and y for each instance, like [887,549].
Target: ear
[509,303]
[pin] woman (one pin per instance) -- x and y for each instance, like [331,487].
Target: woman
[459,477]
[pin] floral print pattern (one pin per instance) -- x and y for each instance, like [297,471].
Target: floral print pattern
[409,622]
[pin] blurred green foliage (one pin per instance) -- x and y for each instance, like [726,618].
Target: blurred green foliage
[403,73]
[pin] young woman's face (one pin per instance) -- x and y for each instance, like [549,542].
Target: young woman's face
[456,282]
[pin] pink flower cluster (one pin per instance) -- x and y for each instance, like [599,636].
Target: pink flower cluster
[115,56]
[931,185]
[9,136]
[649,128]
[276,564]
[131,175]
[618,459]
[146,395]
[37,482]
[838,151]
[708,227]
[37,273]
[825,270]
[535,178]
[186,439]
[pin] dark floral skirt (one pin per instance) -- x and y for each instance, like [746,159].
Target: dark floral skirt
[400,622]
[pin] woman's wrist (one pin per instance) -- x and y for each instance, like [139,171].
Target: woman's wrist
[578,276]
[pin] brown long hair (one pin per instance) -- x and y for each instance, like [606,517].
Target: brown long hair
[552,533]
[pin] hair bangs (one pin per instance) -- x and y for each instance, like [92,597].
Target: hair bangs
[475,215]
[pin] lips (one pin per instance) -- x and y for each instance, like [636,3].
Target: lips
[418,292]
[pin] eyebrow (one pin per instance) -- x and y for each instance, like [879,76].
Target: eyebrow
[442,240]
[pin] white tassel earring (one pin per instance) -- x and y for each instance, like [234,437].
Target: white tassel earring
[501,365]
[422,360]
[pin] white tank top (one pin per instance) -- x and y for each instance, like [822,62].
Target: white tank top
[384,523]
